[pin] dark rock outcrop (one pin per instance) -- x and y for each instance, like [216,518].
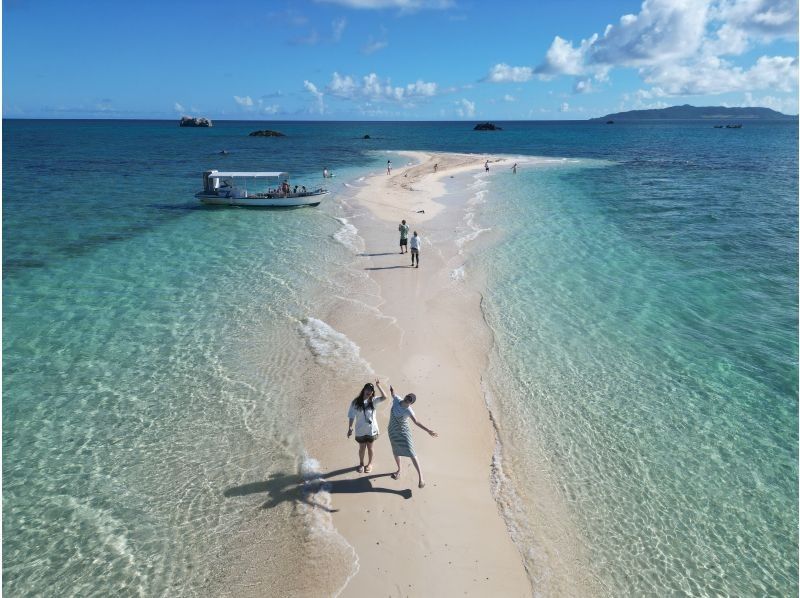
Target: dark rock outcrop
[267,133]
[197,121]
[366,137]
[487,127]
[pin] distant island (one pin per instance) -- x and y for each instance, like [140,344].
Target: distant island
[687,112]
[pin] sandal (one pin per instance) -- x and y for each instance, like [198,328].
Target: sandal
[360,469]
[395,475]
[368,468]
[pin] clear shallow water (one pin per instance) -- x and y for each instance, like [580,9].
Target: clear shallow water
[646,346]
[645,314]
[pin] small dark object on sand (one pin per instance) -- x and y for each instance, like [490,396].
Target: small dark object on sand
[420,211]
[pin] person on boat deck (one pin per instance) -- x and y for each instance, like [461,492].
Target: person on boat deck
[285,187]
[295,188]
[303,189]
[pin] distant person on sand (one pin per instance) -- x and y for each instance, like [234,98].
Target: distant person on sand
[486,165]
[325,173]
[403,228]
[400,432]
[388,167]
[435,167]
[514,168]
[362,413]
[415,243]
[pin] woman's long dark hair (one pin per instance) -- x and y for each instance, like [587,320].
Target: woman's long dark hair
[360,402]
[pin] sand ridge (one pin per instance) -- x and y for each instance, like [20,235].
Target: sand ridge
[447,539]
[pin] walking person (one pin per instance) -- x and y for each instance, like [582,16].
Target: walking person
[325,173]
[362,413]
[416,241]
[486,165]
[400,432]
[388,167]
[403,228]
[514,168]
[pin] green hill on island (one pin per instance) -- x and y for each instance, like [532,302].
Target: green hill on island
[687,112]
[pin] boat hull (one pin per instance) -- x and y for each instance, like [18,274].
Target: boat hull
[295,201]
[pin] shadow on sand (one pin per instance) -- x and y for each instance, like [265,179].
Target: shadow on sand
[388,267]
[377,254]
[295,488]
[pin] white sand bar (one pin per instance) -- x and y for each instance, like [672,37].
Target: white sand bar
[447,539]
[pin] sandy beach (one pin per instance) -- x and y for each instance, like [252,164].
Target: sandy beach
[448,538]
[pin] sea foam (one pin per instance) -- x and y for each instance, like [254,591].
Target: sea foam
[348,236]
[332,348]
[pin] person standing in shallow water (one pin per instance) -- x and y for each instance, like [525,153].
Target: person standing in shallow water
[388,167]
[362,414]
[416,241]
[403,228]
[400,432]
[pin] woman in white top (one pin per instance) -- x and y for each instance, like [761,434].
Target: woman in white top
[362,413]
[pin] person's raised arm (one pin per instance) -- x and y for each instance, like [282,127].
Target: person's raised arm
[428,430]
[380,389]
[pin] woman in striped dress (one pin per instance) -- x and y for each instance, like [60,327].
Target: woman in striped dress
[400,432]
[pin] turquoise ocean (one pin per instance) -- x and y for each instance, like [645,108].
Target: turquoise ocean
[641,288]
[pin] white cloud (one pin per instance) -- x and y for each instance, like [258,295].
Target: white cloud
[372,88]
[712,75]
[338,26]
[402,5]
[376,43]
[318,95]
[509,98]
[503,73]
[466,109]
[564,107]
[271,109]
[785,105]
[373,46]
[245,101]
[179,108]
[762,19]
[582,86]
[678,45]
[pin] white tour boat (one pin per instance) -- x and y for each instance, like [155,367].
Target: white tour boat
[256,189]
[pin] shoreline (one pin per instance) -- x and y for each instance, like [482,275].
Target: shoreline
[449,537]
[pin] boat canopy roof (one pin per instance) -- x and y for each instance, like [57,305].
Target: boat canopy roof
[260,175]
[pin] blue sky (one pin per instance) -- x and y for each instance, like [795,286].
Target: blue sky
[394,59]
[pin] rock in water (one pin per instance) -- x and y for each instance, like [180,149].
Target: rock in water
[267,133]
[198,121]
[487,127]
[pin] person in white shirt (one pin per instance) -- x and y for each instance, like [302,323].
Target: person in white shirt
[362,414]
[415,243]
